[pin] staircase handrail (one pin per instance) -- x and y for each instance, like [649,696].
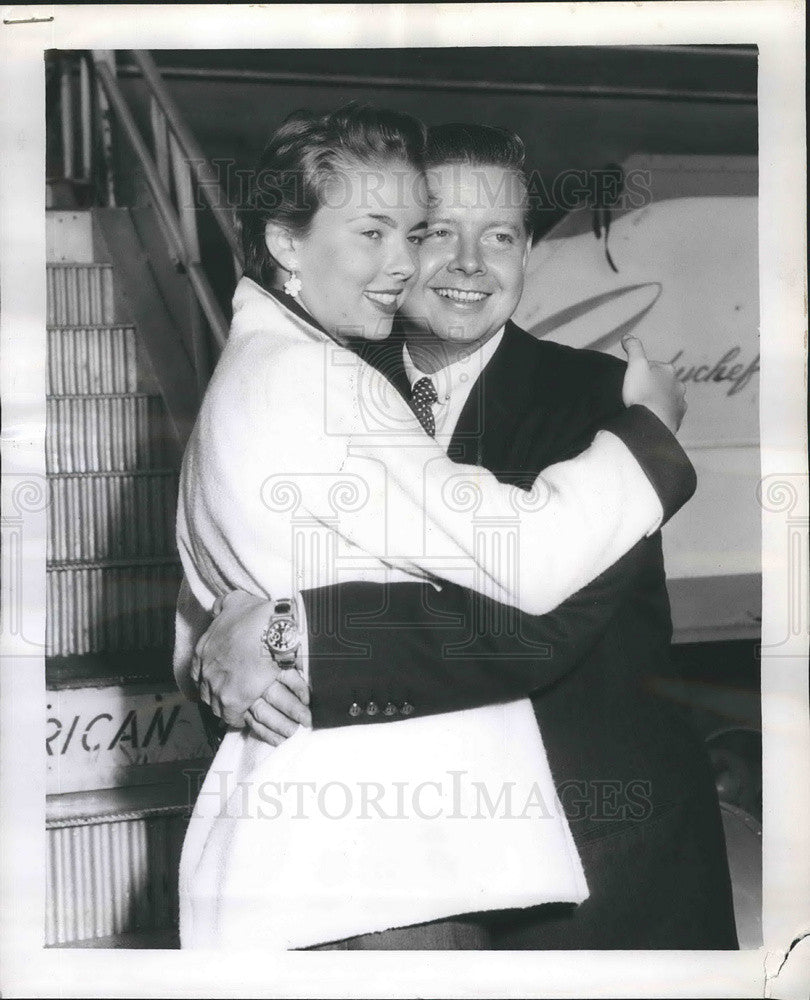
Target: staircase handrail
[203,171]
[178,247]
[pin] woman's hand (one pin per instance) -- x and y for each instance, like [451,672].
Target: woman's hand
[234,670]
[275,716]
[654,385]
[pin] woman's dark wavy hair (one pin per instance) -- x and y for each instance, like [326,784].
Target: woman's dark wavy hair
[478,146]
[307,151]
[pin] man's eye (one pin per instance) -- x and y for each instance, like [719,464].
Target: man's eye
[373,234]
[506,238]
[440,233]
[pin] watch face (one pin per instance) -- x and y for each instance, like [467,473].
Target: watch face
[282,635]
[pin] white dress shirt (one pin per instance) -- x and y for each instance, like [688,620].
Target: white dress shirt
[453,384]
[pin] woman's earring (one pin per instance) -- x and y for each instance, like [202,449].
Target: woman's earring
[292,286]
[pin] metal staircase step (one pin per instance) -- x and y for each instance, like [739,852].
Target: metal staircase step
[80,295]
[127,605]
[111,515]
[107,432]
[164,939]
[112,878]
[91,360]
[150,666]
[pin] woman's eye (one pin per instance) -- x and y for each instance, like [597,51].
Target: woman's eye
[416,239]
[373,234]
[440,233]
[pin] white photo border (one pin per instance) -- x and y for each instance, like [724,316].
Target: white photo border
[776,27]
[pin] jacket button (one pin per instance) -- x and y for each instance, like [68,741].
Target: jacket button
[372,708]
[390,709]
[355,710]
[407,709]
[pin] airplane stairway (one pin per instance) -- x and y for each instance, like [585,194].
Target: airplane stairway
[123,749]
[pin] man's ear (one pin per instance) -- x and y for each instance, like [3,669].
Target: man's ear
[281,244]
[527,250]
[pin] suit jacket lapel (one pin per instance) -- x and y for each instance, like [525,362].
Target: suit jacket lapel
[487,427]
[489,431]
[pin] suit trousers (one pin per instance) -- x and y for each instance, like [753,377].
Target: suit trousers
[660,884]
[457,934]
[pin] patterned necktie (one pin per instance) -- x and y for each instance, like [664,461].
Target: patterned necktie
[423,396]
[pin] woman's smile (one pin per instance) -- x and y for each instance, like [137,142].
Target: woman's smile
[387,301]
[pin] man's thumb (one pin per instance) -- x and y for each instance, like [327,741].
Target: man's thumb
[633,348]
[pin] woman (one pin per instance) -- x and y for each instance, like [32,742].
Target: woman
[289,461]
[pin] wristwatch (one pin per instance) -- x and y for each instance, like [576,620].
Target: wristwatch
[282,636]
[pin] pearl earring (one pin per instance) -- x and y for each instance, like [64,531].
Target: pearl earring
[292,286]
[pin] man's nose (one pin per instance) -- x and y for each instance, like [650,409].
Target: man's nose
[468,257]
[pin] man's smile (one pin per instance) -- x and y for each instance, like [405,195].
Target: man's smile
[461,295]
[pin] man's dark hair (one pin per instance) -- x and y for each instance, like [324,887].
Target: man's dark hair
[477,146]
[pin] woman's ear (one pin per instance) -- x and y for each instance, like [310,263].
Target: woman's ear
[281,245]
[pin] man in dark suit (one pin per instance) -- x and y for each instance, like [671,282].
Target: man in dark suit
[632,777]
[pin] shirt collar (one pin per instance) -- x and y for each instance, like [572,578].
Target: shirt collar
[465,371]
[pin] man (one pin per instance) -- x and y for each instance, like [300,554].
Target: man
[631,776]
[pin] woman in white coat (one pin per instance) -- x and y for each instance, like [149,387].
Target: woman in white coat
[305,468]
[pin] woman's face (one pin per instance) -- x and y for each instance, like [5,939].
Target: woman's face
[360,255]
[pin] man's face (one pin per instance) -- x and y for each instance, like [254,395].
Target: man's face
[473,256]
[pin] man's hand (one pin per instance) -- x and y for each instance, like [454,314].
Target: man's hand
[233,670]
[653,385]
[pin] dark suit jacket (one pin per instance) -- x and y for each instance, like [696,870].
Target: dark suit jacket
[618,753]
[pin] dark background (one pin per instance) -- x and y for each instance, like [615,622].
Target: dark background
[576,108]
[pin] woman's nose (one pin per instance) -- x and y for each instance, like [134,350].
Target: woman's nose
[404,260]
